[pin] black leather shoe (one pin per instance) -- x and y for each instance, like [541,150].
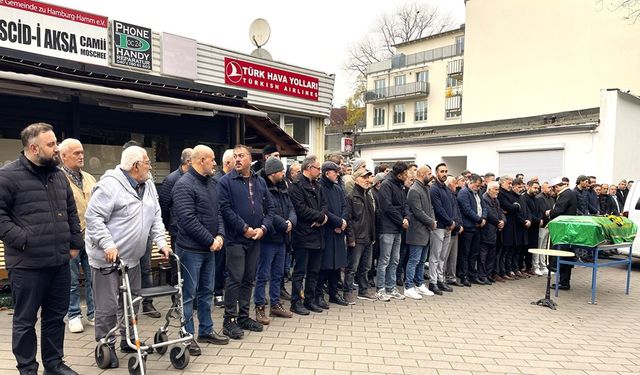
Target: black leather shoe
[298,308]
[149,310]
[338,300]
[312,307]
[113,356]
[485,281]
[321,303]
[561,286]
[434,288]
[475,280]
[60,369]
[466,282]
[213,338]
[455,283]
[124,348]
[250,325]
[444,287]
[285,295]
[194,349]
[28,371]
[231,329]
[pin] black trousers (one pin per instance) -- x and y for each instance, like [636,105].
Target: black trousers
[32,289]
[486,259]
[241,262]
[218,282]
[330,277]
[565,269]
[468,250]
[307,264]
[359,258]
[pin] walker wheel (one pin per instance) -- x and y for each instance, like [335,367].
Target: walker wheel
[159,338]
[103,356]
[179,356]
[136,367]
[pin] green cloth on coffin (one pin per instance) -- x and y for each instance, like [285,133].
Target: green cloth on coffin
[590,231]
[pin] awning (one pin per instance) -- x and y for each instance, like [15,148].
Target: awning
[73,85]
[271,133]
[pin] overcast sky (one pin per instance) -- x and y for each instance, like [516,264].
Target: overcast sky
[311,34]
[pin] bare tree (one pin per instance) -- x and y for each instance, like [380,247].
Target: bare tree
[631,8]
[407,22]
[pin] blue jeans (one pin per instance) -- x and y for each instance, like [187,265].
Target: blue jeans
[74,302]
[388,261]
[270,269]
[414,275]
[198,271]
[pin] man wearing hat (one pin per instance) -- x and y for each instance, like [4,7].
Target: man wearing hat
[273,244]
[361,234]
[267,152]
[349,179]
[566,204]
[334,254]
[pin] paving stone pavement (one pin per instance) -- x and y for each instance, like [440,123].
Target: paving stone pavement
[477,330]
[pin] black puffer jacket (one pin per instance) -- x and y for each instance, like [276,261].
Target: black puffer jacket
[38,218]
[393,205]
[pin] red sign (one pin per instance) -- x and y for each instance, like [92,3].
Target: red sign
[260,77]
[57,11]
[346,145]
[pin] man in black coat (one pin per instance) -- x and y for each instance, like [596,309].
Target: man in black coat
[334,254]
[489,234]
[40,228]
[394,220]
[566,204]
[307,239]
[510,204]
[361,234]
[533,189]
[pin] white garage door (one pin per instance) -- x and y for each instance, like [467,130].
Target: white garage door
[546,164]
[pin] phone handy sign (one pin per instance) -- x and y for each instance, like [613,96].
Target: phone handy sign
[131,45]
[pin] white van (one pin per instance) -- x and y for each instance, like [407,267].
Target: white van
[632,211]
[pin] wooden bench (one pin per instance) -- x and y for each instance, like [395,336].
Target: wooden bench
[155,258]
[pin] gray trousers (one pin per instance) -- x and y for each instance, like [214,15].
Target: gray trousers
[108,300]
[438,254]
[537,260]
[452,261]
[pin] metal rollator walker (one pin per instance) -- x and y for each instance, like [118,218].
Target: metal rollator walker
[179,353]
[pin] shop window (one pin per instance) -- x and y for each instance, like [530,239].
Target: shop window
[298,128]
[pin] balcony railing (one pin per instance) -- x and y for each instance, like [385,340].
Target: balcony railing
[401,91]
[402,60]
[455,68]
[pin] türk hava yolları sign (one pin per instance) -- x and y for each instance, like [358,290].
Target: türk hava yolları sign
[51,30]
[260,77]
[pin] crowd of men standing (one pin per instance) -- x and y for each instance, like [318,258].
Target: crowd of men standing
[349,236]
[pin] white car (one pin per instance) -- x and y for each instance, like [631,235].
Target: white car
[632,211]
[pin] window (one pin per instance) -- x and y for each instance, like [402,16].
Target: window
[421,111]
[452,82]
[378,116]
[400,80]
[459,45]
[298,128]
[422,76]
[398,114]
[379,87]
[453,106]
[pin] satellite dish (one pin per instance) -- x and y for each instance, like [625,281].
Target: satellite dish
[262,53]
[259,32]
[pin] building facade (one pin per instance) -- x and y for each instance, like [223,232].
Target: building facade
[518,88]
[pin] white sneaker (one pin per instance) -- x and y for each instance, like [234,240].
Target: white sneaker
[412,293]
[91,321]
[382,296]
[544,271]
[422,289]
[75,324]
[395,294]
[537,272]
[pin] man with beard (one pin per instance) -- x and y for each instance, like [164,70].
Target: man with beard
[122,214]
[523,224]
[247,211]
[510,204]
[442,201]
[40,228]
[544,201]
[533,188]
[334,254]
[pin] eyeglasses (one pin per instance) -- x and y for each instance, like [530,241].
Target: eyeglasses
[147,162]
[313,166]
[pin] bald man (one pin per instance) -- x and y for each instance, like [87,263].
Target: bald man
[201,234]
